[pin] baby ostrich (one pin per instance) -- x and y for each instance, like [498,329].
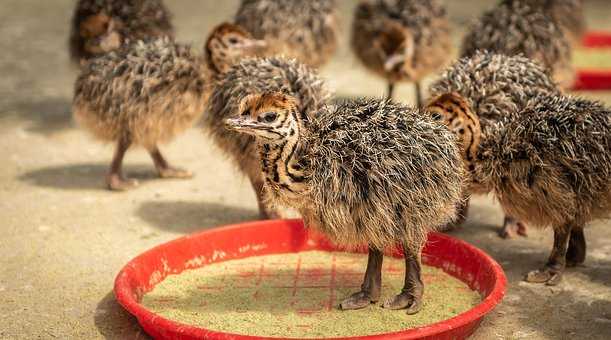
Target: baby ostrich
[522,27]
[401,40]
[146,93]
[254,76]
[305,30]
[548,165]
[494,85]
[362,172]
[100,26]
[569,14]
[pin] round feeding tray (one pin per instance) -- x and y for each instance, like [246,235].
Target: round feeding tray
[264,239]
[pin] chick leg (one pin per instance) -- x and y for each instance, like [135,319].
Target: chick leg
[512,227]
[413,288]
[418,94]
[163,167]
[551,274]
[372,284]
[391,90]
[115,179]
[576,254]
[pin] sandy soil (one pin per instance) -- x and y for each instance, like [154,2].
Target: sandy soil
[64,238]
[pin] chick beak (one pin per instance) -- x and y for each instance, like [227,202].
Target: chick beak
[256,46]
[394,62]
[241,125]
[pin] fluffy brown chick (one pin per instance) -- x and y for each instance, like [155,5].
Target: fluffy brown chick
[568,14]
[101,26]
[495,85]
[522,27]
[549,165]
[401,40]
[364,172]
[304,30]
[147,92]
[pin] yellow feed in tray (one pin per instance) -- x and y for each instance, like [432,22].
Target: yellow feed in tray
[296,295]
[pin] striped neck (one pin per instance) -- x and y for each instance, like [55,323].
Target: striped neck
[282,162]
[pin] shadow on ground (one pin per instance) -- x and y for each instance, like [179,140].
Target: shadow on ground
[46,115]
[187,217]
[83,176]
[115,323]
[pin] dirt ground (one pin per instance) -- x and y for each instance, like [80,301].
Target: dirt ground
[63,238]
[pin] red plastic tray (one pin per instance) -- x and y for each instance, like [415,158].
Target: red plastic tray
[140,275]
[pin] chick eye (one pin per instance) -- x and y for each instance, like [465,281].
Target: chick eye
[233,41]
[436,116]
[268,117]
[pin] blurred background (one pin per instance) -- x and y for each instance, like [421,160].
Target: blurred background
[63,237]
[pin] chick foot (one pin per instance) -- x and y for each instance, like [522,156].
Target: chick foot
[117,182]
[171,172]
[512,228]
[358,300]
[548,275]
[405,300]
[164,169]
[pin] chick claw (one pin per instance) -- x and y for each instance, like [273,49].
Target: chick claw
[118,183]
[357,301]
[171,172]
[404,300]
[548,276]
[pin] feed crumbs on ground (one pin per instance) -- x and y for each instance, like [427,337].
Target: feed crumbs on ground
[296,295]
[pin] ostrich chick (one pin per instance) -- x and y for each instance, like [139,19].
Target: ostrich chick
[568,14]
[494,86]
[305,30]
[548,165]
[522,27]
[255,76]
[362,172]
[401,40]
[147,92]
[101,26]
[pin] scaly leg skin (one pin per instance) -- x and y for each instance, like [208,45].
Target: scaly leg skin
[410,297]
[391,90]
[164,169]
[576,253]
[512,227]
[372,284]
[551,274]
[114,179]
